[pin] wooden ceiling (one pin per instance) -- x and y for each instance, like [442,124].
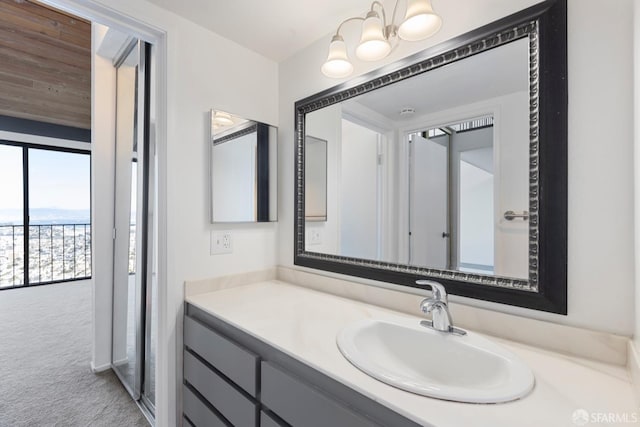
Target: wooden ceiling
[45,64]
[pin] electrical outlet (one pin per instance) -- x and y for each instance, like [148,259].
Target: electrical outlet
[221,242]
[315,236]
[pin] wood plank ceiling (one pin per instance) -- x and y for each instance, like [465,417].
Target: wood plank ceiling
[45,64]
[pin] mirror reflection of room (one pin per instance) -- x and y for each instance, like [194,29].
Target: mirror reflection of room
[451,203]
[422,172]
[315,190]
[243,169]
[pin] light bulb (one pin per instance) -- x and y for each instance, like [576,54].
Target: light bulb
[420,21]
[337,64]
[222,119]
[373,44]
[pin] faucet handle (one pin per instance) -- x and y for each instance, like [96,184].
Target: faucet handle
[439,291]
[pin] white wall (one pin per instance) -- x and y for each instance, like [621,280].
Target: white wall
[512,175]
[636,116]
[476,213]
[327,125]
[601,264]
[102,189]
[234,179]
[601,166]
[358,193]
[205,71]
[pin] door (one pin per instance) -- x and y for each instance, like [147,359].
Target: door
[428,201]
[130,219]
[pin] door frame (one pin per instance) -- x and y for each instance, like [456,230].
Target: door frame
[96,11]
[436,120]
[141,141]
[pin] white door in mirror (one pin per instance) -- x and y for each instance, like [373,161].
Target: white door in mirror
[408,356]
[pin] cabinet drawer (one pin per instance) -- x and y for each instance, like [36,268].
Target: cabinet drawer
[267,421]
[240,365]
[299,404]
[231,403]
[198,413]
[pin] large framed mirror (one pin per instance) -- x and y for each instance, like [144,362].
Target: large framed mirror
[451,166]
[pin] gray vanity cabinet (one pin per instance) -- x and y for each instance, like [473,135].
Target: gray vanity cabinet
[234,379]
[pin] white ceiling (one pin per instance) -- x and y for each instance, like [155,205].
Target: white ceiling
[277,29]
[494,73]
[274,28]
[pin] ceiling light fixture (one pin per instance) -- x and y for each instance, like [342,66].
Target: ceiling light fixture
[222,119]
[379,37]
[407,111]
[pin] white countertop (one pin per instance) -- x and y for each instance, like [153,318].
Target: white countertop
[304,323]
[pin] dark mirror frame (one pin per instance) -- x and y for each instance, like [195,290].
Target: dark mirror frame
[545,24]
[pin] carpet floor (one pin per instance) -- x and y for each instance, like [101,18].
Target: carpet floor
[45,354]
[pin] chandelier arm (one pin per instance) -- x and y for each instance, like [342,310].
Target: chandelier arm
[384,15]
[356,18]
[394,44]
[393,16]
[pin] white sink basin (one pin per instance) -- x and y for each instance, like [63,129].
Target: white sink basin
[418,359]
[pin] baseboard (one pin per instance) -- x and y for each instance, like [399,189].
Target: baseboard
[120,362]
[147,414]
[634,368]
[97,369]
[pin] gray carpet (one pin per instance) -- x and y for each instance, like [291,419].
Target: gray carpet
[45,352]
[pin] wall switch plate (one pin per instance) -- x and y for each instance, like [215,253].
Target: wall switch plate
[315,236]
[221,242]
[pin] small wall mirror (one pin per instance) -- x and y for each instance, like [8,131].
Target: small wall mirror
[244,169]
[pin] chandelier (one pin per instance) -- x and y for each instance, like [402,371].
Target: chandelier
[379,36]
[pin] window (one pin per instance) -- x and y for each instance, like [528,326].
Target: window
[45,191]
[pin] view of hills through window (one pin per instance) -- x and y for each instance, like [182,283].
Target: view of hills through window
[59,232]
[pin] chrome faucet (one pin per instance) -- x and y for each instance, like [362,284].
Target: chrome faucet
[438,306]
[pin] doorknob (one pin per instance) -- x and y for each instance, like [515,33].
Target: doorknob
[511,215]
